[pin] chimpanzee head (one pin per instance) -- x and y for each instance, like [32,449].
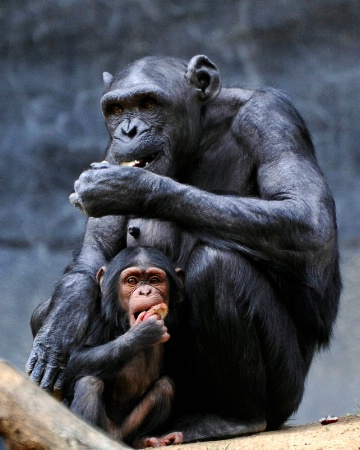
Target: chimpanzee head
[135,280]
[153,111]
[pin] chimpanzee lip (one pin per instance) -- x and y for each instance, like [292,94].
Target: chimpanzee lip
[141,162]
[146,309]
[137,313]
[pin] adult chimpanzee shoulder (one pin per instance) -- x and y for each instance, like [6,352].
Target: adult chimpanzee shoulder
[226,183]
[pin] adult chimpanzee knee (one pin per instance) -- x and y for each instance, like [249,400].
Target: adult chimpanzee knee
[115,380]
[226,183]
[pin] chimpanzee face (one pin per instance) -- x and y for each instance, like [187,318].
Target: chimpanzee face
[140,289]
[153,116]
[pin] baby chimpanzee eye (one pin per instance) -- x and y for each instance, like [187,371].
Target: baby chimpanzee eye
[155,280]
[132,280]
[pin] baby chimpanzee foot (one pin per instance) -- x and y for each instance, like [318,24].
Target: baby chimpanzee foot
[169,439]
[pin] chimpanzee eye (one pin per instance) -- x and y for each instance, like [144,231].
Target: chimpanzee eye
[148,103]
[115,108]
[132,281]
[155,280]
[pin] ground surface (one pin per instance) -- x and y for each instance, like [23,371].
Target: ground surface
[345,434]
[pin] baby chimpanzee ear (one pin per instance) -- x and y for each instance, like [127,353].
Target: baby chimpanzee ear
[181,276]
[100,276]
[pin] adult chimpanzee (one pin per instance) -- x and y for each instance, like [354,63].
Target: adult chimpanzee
[226,183]
[115,381]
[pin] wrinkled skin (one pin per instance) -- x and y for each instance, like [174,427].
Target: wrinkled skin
[226,182]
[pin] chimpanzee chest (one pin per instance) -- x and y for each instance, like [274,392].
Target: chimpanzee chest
[163,235]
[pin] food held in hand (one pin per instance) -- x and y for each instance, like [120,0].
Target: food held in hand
[161,310]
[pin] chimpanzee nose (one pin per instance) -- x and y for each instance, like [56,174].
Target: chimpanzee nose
[145,290]
[129,129]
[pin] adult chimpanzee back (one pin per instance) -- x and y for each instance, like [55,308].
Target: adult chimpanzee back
[226,183]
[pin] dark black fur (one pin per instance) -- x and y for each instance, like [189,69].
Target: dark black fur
[236,197]
[90,387]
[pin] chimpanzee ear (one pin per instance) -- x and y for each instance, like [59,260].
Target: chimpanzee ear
[108,78]
[100,275]
[181,275]
[204,76]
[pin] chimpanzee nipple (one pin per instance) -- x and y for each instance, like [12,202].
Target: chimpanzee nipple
[134,232]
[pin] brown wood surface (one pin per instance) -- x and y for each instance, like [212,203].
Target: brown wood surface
[32,419]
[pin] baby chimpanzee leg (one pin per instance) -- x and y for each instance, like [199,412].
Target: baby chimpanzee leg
[151,412]
[88,402]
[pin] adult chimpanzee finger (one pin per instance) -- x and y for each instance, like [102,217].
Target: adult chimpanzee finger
[76,201]
[30,363]
[100,165]
[37,372]
[48,379]
[60,379]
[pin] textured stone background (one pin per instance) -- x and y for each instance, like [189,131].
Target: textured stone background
[52,55]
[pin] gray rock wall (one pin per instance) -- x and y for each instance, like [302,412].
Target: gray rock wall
[52,55]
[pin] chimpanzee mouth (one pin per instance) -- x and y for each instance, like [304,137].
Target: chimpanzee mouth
[136,314]
[157,309]
[141,162]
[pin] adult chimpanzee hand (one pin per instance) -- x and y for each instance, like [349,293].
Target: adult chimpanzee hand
[46,367]
[95,188]
[52,345]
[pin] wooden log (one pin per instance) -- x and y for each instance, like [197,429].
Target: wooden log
[32,419]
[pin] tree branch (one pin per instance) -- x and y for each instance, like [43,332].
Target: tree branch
[30,418]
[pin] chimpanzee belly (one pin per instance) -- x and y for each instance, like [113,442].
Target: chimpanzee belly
[165,236]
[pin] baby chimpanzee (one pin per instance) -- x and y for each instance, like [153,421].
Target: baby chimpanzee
[115,380]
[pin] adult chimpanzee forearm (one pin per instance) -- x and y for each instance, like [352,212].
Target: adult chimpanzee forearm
[64,322]
[273,229]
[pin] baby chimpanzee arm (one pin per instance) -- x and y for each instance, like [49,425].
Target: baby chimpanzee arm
[106,360]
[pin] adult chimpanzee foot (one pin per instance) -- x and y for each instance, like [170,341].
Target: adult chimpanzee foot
[169,439]
[213,427]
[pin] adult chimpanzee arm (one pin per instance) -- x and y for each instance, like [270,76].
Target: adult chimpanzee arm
[66,319]
[290,224]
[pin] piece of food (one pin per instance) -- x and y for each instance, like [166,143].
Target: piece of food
[161,310]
